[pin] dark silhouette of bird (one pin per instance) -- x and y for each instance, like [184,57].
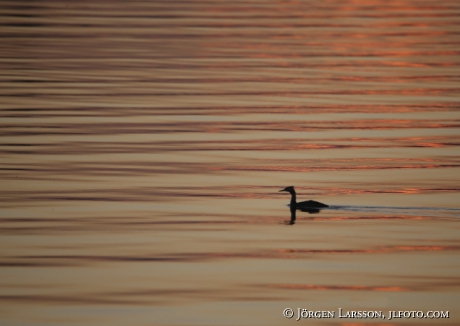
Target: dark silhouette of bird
[310,206]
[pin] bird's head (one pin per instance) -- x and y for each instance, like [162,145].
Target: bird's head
[289,189]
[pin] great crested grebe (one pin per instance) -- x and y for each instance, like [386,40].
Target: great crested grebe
[311,206]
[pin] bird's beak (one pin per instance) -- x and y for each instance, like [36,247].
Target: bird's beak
[282,190]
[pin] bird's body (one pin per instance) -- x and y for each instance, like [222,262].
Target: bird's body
[311,203]
[310,206]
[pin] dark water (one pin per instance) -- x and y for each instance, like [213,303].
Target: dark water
[143,145]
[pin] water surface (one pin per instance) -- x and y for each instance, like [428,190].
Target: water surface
[143,145]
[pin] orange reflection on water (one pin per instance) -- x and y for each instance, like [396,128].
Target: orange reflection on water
[215,127]
[82,260]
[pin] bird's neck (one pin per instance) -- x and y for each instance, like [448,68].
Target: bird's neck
[293,198]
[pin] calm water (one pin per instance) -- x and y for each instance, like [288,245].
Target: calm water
[143,145]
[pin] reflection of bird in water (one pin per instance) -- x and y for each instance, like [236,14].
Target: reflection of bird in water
[310,206]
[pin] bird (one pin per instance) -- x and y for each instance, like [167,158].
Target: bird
[310,206]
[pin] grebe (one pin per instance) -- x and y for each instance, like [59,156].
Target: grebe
[310,206]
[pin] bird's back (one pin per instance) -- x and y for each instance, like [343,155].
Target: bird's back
[310,203]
